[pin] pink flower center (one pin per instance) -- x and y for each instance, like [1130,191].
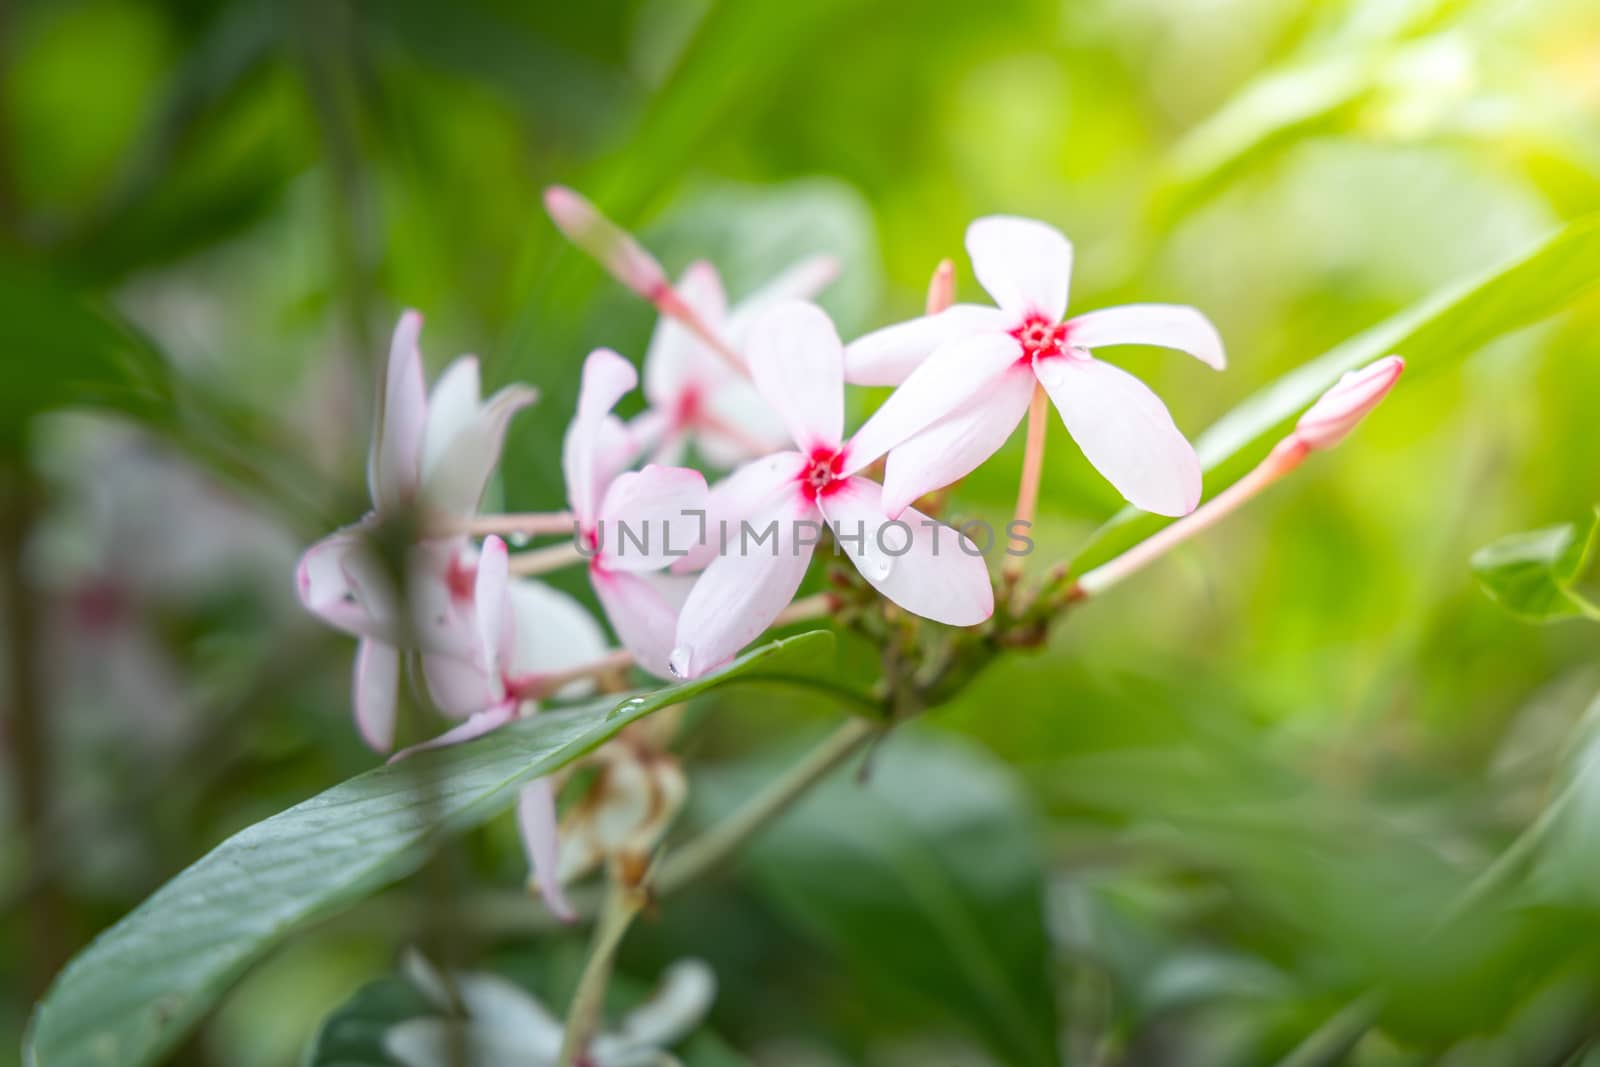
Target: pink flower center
[1041,338]
[689,407]
[820,477]
[460,577]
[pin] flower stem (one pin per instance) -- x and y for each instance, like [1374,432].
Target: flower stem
[530,523]
[543,560]
[1283,459]
[714,846]
[1032,469]
[583,1015]
[816,606]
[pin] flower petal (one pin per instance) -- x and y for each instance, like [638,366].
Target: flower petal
[735,425]
[536,820]
[924,566]
[491,598]
[798,365]
[955,445]
[677,360]
[323,582]
[376,689]
[800,281]
[453,482]
[607,377]
[644,618]
[962,370]
[680,1004]
[743,590]
[554,631]
[650,518]
[1163,325]
[1125,431]
[888,356]
[476,725]
[394,463]
[451,404]
[1025,265]
[757,488]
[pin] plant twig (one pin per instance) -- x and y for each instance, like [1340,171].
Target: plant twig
[583,1014]
[707,851]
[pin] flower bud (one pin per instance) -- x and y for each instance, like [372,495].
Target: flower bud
[610,245]
[1336,412]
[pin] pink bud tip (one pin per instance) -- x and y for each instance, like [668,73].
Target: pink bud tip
[610,245]
[942,287]
[1336,413]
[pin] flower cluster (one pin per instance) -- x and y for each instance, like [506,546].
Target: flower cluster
[687,574]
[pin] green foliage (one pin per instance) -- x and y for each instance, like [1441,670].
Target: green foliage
[1538,576]
[926,879]
[143,983]
[63,350]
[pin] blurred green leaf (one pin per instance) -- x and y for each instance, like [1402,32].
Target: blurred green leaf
[1534,575]
[353,1035]
[1437,333]
[63,350]
[927,879]
[143,983]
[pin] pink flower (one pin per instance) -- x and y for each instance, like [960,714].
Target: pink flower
[432,454]
[968,374]
[1336,412]
[630,524]
[694,393]
[505,636]
[923,566]
[437,451]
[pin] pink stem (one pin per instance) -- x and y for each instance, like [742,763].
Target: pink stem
[1032,469]
[1285,457]
[530,523]
[543,560]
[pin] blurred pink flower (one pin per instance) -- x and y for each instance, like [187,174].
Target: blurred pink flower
[432,456]
[694,393]
[506,636]
[966,376]
[797,361]
[630,524]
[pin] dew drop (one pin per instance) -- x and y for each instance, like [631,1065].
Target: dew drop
[627,707]
[519,539]
[679,662]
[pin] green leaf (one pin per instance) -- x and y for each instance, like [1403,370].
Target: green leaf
[927,880]
[1432,335]
[1534,575]
[353,1035]
[63,350]
[142,984]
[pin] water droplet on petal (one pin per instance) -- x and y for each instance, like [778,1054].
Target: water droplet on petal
[1050,370]
[679,662]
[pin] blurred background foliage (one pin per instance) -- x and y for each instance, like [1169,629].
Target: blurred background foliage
[1221,804]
